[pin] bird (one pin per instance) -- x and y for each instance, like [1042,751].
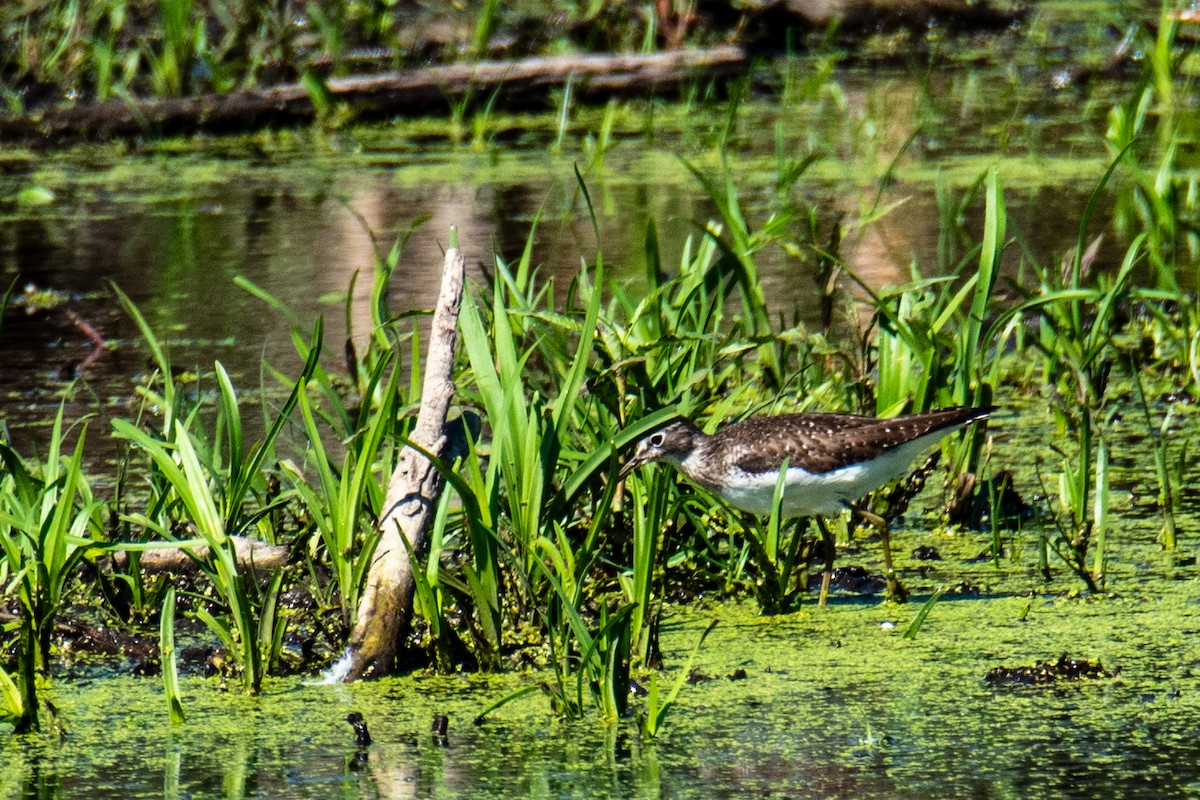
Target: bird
[833,460]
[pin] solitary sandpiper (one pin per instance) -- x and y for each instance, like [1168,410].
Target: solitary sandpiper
[832,460]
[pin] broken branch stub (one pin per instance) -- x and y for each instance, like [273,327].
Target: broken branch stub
[385,611]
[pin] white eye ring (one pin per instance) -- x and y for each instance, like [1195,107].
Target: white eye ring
[656,439]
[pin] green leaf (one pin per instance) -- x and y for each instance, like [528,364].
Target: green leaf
[913,627]
[166,642]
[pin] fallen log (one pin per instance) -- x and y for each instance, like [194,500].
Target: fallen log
[385,610]
[249,553]
[407,93]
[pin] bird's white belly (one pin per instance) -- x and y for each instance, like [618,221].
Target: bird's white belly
[826,493]
[804,493]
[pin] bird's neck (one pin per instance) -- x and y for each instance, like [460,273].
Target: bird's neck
[699,465]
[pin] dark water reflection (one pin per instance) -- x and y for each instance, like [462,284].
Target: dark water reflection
[176,256]
[173,235]
[173,226]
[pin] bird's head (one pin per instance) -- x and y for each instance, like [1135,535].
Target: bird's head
[671,444]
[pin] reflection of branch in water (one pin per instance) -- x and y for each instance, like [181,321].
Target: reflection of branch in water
[440,730]
[392,770]
[362,738]
[74,369]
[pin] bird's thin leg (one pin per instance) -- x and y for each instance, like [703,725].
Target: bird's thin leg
[826,575]
[895,591]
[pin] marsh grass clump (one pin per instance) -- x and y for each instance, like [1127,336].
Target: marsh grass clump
[49,519]
[208,495]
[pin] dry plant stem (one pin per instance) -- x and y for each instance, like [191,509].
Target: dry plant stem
[385,611]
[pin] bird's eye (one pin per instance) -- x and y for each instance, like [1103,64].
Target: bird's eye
[656,439]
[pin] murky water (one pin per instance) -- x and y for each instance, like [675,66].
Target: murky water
[832,704]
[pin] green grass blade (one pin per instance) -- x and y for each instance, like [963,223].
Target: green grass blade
[156,350]
[677,686]
[248,473]
[219,629]
[167,659]
[274,302]
[505,700]
[994,226]
[231,418]
[13,707]
[913,627]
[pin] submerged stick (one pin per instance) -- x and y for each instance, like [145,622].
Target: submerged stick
[385,611]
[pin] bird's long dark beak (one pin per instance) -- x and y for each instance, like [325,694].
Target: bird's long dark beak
[633,463]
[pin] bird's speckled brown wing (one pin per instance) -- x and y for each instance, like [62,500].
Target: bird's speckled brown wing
[822,442]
